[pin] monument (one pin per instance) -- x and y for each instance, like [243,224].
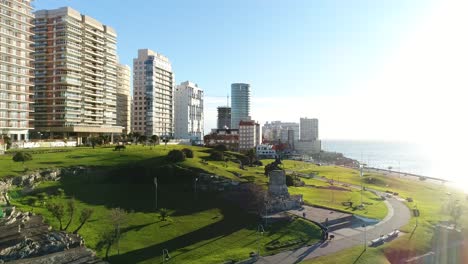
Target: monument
[278,195]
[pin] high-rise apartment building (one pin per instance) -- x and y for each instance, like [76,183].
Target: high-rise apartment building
[240,103]
[277,131]
[75,75]
[124,98]
[189,118]
[309,129]
[224,117]
[249,135]
[153,94]
[16,68]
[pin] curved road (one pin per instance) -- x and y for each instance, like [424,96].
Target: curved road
[398,216]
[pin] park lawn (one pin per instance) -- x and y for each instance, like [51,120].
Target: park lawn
[106,157]
[375,208]
[196,232]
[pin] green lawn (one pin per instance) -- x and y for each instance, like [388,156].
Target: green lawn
[202,230]
[374,207]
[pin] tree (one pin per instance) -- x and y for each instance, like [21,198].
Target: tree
[6,139]
[176,155]
[155,139]
[85,215]
[251,198]
[22,157]
[217,155]
[251,155]
[142,139]
[188,153]
[221,148]
[117,217]
[108,238]
[57,211]
[136,137]
[163,214]
[71,207]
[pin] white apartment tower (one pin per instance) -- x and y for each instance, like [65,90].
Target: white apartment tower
[153,94]
[16,68]
[124,98]
[188,105]
[75,75]
[309,129]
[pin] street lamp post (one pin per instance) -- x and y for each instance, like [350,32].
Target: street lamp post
[365,236]
[260,232]
[195,188]
[156,192]
[362,186]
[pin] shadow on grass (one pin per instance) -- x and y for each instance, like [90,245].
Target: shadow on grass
[232,222]
[357,259]
[412,232]
[51,162]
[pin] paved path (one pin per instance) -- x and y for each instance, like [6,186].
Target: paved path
[398,216]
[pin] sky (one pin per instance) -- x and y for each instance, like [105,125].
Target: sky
[380,70]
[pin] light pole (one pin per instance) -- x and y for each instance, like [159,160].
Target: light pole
[260,232]
[195,188]
[165,256]
[365,236]
[156,192]
[360,173]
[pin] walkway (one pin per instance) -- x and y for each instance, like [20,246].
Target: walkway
[398,216]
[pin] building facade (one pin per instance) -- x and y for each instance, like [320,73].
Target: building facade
[75,75]
[309,129]
[265,151]
[224,117]
[249,135]
[189,117]
[227,137]
[277,131]
[309,142]
[16,68]
[240,103]
[124,101]
[153,94]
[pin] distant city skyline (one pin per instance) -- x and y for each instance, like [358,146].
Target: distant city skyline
[365,69]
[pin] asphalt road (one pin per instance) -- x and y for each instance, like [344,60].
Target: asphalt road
[398,216]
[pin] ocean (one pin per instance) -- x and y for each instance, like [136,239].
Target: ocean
[401,156]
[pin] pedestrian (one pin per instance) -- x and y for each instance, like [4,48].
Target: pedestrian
[304,214]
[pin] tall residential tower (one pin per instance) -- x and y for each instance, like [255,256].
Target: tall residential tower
[153,94]
[124,99]
[16,68]
[240,103]
[75,75]
[188,105]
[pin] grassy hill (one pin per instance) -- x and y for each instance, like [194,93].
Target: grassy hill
[204,229]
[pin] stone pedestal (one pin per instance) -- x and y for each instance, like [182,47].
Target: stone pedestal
[278,195]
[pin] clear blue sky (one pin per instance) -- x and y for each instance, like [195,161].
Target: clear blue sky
[298,48]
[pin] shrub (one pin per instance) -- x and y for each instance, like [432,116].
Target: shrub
[217,155]
[289,180]
[176,155]
[22,157]
[221,148]
[188,153]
